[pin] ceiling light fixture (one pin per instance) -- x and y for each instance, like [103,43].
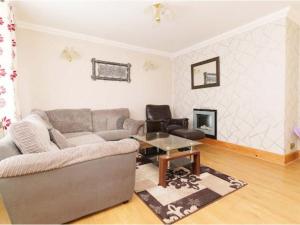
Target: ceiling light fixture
[160,10]
[157,11]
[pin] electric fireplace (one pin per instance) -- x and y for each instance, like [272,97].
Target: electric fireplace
[206,121]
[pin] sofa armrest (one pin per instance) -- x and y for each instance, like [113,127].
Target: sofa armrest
[134,126]
[183,122]
[39,162]
[40,198]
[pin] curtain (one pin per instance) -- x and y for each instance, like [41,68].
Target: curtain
[8,73]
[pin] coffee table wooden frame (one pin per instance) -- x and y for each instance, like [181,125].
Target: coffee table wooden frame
[164,159]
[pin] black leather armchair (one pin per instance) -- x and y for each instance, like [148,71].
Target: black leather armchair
[159,119]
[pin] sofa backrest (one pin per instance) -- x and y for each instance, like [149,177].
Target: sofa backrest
[71,120]
[109,119]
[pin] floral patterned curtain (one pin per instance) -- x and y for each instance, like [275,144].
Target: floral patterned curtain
[8,72]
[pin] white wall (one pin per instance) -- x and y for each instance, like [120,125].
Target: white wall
[47,81]
[251,98]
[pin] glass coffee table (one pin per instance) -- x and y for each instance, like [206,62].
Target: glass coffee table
[173,148]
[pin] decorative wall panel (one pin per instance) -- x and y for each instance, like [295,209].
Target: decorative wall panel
[251,99]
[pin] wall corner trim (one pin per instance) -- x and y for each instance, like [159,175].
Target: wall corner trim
[283,13]
[89,38]
[294,16]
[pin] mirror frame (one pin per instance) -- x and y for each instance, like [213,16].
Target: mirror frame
[217,60]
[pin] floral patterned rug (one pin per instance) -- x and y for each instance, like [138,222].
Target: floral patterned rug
[185,194]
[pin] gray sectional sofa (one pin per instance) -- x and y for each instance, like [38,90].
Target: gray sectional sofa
[109,125]
[62,185]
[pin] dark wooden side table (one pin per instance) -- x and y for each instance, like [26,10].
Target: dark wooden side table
[164,159]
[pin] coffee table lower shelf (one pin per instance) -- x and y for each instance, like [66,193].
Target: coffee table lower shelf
[164,159]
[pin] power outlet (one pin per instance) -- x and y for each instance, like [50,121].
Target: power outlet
[292,145]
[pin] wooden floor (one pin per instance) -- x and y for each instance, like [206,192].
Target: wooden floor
[271,196]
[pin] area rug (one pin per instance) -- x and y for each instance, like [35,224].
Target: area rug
[185,193]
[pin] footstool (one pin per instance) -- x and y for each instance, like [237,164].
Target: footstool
[189,133]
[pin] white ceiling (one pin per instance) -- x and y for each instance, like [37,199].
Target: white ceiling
[131,22]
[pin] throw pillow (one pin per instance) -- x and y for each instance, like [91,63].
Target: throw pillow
[59,139]
[43,116]
[120,122]
[31,135]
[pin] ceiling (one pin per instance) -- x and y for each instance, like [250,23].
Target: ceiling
[131,22]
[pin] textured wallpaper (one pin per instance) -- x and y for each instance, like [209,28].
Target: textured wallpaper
[251,98]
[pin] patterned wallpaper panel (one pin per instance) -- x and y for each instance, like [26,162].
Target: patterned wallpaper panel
[250,100]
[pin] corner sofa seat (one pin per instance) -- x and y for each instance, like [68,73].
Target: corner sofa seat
[76,134]
[85,139]
[113,135]
[63,185]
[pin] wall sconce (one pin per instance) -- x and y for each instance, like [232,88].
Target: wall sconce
[149,65]
[69,54]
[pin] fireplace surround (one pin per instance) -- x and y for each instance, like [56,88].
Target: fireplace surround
[206,121]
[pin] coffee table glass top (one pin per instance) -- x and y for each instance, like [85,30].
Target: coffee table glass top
[166,142]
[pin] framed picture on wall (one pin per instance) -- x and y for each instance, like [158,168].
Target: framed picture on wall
[104,70]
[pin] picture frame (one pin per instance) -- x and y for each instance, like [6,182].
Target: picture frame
[111,71]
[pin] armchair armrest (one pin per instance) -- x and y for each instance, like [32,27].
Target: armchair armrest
[39,162]
[134,126]
[184,122]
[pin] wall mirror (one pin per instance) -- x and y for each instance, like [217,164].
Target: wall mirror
[206,73]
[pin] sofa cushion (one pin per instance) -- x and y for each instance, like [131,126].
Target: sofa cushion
[114,135]
[31,135]
[120,122]
[109,119]
[8,147]
[133,126]
[85,139]
[71,120]
[59,139]
[76,134]
[44,117]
